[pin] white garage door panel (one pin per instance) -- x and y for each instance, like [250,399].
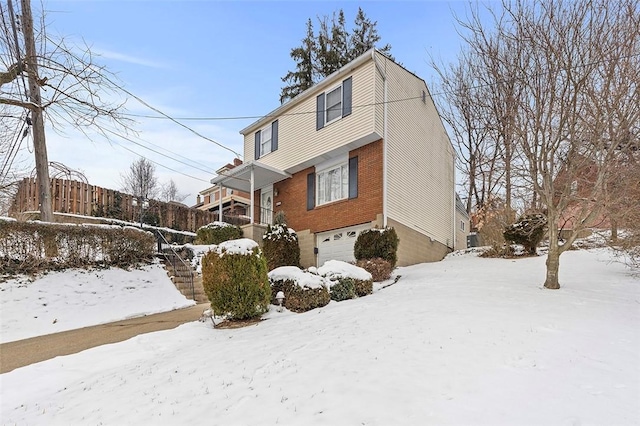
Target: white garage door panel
[338,244]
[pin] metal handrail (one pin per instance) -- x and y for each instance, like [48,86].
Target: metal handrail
[163,245]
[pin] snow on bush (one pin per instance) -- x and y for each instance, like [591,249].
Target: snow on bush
[334,269]
[303,291]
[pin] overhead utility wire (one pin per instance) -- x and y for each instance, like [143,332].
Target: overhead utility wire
[157,152]
[245,117]
[440,93]
[161,165]
[166,116]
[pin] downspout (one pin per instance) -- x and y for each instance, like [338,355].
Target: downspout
[385,154]
[252,194]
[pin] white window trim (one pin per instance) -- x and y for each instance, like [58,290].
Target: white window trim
[262,141]
[334,166]
[326,104]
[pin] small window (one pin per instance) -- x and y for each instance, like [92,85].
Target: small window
[326,240]
[334,104]
[351,234]
[462,225]
[337,237]
[265,141]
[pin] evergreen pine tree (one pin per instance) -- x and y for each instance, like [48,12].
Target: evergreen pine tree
[324,53]
[304,76]
[364,37]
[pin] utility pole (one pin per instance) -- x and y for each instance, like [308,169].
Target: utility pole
[37,118]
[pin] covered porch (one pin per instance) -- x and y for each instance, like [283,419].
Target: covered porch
[248,178]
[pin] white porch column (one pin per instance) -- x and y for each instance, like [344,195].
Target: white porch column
[252,193]
[220,203]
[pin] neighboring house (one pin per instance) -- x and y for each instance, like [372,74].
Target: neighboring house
[462,224]
[363,148]
[235,204]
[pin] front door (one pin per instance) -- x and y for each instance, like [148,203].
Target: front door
[266,206]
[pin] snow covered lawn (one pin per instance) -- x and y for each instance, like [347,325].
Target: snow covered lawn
[60,301]
[465,341]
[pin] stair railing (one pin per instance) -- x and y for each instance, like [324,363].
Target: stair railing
[166,250]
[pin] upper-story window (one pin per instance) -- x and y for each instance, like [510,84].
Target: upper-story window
[333,104]
[266,140]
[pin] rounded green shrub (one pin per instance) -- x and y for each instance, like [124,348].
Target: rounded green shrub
[280,246]
[343,289]
[234,276]
[303,291]
[218,232]
[372,243]
[528,230]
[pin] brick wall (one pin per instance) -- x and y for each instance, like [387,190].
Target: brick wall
[292,196]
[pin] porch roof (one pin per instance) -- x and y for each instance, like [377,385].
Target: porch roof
[239,178]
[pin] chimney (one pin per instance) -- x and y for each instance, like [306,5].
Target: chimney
[198,199]
[237,162]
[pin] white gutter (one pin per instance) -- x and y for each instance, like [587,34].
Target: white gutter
[385,154]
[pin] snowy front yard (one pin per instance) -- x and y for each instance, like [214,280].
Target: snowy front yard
[463,341]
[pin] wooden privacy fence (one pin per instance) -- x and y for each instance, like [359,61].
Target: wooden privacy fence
[70,196]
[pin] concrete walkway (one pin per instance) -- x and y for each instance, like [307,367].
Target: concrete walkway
[29,351]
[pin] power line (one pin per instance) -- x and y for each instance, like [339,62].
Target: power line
[161,165]
[246,117]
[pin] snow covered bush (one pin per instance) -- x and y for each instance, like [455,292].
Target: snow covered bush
[528,231]
[29,247]
[280,246]
[234,276]
[303,291]
[379,268]
[218,232]
[374,243]
[346,281]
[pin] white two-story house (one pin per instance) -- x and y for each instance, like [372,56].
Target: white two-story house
[363,148]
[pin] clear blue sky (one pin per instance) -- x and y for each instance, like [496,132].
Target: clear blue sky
[216,59]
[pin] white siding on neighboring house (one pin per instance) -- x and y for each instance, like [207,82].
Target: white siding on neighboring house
[298,140]
[420,175]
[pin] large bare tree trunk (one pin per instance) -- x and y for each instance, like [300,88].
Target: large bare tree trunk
[553,259]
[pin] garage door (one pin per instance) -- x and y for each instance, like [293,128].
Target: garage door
[338,244]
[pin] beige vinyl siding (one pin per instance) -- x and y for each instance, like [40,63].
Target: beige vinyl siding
[298,139]
[420,174]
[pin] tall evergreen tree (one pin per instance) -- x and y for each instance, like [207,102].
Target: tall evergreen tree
[324,53]
[304,76]
[364,37]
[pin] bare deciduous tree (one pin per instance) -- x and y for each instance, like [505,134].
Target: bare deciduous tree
[58,84]
[170,192]
[566,81]
[140,180]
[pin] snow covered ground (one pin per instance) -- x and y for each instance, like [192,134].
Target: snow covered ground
[60,301]
[465,341]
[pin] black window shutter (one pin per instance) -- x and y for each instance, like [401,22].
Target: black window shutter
[320,111]
[274,136]
[346,97]
[353,177]
[311,191]
[257,145]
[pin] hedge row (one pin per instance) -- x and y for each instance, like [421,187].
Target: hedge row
[28,247]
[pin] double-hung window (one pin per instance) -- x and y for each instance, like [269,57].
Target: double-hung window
[334,104]
[333,184]
[265,141]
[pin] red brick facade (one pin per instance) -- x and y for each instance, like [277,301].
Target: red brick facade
[292,196]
